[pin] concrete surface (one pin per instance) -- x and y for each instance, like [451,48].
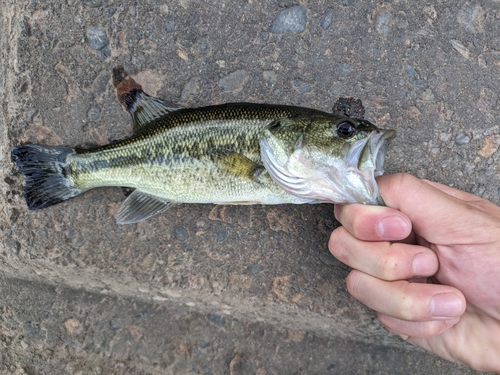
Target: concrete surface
[210,289]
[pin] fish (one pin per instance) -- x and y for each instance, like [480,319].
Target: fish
[234,153]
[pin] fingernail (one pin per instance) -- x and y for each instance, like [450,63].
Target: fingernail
[424,264]
[445,306]
[392,228]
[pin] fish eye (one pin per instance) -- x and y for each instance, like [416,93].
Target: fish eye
[346,129]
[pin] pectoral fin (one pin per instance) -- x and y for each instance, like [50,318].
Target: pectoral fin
[140,206]
[236,164]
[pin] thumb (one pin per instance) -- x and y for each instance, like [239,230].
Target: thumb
[441,215]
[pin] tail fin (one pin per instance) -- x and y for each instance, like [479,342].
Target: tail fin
[48,176]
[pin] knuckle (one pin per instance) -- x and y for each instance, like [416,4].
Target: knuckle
[391,267]
[433,328]
[353,283]
[336,244]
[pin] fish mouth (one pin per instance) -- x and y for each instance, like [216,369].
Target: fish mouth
[368,157]
[373,151]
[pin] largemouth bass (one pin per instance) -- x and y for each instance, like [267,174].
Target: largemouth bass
[240,153]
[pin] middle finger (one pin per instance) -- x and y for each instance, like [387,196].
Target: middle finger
[384,260]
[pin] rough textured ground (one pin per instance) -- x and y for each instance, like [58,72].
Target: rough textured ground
[209,289]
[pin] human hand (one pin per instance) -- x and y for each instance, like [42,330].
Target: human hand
[429,265]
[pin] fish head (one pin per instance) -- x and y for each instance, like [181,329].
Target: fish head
[326,158]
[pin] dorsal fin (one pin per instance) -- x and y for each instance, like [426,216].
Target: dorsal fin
[143,108]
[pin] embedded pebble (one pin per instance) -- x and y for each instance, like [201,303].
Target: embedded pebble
[348,3]
[470,17]
[326,21]
[427,95]
[170,24]
[218,320]
[94,3]
[301,86]
[190,90]
[181,233]
[109,12]
[94,113]
[96,37]
[132,11]
[233,81]
[462,139]
[202,47]
[327,258]
[221,235]
[342,69]
[460,48]
[254,269]
[290,20]
[270,77]
[29,114]
[383,23]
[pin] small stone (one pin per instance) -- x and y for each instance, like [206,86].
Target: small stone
[115,324]
[94,113]
[342,69]
[401,20]
[348,3]
[13,245]
[327,258]
[94,3]
[109,12]
[462,139]
[190,89]
[29,114]
[170,24]
[254,269]
[383,23]
[460,48]
[491,145]
[270,77]
[202,47]
[233,81]
[74,237]
[302,87]
[96,37]
[181,233]
[487,100]
[218,320]
[326,21]
[290,20]
[220,236]
[132,11]
[73,326]
[427,95]
[164,9]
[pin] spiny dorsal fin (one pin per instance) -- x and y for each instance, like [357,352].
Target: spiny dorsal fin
[145,109]
[140,206]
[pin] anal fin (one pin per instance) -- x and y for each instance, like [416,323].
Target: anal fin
[140,206]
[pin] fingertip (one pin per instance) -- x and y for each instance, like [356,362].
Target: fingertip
[394,227]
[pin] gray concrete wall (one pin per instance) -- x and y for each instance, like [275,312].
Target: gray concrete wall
[212,289]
